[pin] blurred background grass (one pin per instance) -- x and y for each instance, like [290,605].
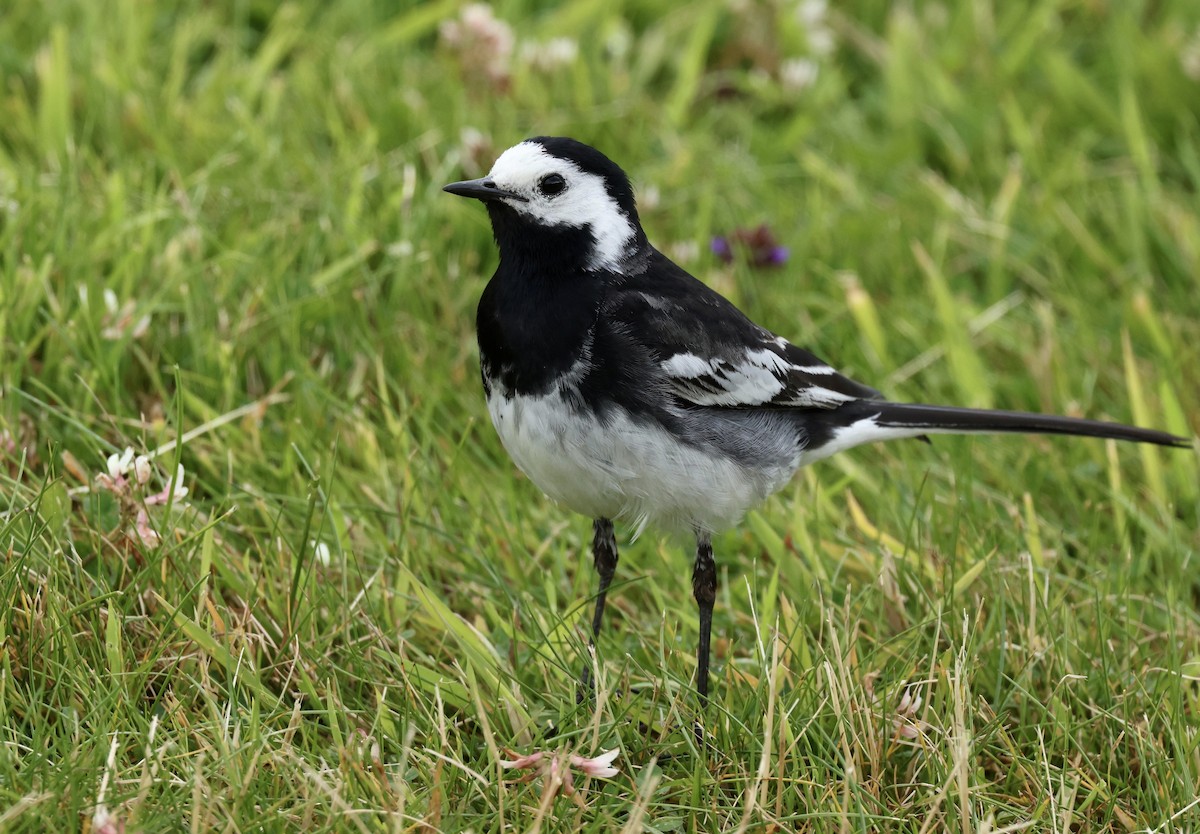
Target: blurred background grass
[223,244]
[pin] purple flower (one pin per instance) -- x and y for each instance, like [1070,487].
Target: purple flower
[776,256]
[758,245]
[722,249]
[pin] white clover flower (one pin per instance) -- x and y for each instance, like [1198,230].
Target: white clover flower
[484,43]
[798,74]
[812,12]
[548,56]
[684,251]
[400,249]
[821,40]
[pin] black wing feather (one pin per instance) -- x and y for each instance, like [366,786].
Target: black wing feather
[711,354]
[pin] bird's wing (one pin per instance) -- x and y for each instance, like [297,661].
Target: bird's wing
[711,354]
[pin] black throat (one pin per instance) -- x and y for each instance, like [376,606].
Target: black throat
[535,316]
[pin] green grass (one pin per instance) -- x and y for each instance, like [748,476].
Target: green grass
[986,203]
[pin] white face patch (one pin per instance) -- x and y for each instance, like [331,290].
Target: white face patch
[584,202]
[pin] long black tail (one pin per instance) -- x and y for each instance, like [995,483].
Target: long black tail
[913,419]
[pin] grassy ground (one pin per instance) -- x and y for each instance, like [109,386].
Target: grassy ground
[223,244]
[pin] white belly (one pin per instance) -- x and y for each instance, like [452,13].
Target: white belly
[625,469]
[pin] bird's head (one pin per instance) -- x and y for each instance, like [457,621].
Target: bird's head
[557,199]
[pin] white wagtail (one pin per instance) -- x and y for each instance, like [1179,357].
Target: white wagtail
[625,388]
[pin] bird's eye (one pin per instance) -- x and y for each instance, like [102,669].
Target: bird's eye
[552,184]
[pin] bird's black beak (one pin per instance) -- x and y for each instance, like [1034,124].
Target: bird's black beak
[481,189]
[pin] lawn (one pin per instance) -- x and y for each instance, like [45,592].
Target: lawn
[316,595]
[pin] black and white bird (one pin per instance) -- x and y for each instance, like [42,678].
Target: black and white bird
[625,388]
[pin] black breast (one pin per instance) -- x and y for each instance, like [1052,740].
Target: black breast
[534,317]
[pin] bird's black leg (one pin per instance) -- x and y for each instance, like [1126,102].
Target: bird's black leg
[604,552]
[704,588]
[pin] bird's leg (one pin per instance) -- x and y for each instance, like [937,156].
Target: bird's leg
[604,552]
[704,589]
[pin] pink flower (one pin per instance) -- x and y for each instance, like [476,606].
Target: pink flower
[118,320]
[126,478]
[173,491]
[144,531]
[599,767]
[522,762]
[556,768]
[114,479]
[103,822]
[906,722]
[484,44]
